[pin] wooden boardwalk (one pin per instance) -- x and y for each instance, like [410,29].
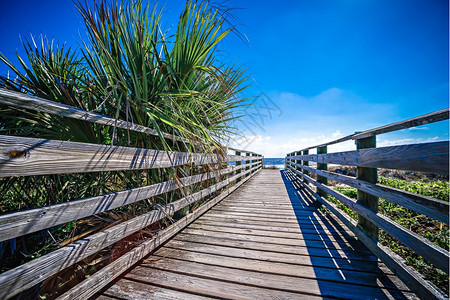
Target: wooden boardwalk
[267,240]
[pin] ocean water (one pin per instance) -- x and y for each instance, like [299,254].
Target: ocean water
[268,162]
[278,162]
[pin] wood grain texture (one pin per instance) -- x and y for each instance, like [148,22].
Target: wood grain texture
[431,252]
[96,282]
[236,242]
[41,157]
[369,175]
[27,221]
[410,277]
[353,277]
[129,289]
[426,157]
[20,100]
[434,208]
[221,255]
[33,272]
[210,287]
[273,256]
[275,242]
[323,180]
[273,283]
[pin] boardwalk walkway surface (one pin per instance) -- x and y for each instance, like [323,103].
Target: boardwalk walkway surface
[267,240]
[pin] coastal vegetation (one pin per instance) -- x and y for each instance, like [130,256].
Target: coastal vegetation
[429,228]
[130,67]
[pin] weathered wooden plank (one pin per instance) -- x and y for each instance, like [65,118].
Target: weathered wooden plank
[281,207]
[357,249]
[42,105]
[426,157]
[353,277]
[278,213]
[269,218]
[289,238]
[209,287]
[21,100]
[288,212]
[434,208]
[261,222]
[33,272]
[129,289]
[27,221]
[369,175]
[431,252]
[324,180]
[273,206]
[272,282]
[280,221]
[21,156]
[273,228]
[265,208]
[260,197]
[97,281]
[410,277]
[293,259]
[288,249]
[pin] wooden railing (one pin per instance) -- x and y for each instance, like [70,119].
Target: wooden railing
[22,156]
[426,157]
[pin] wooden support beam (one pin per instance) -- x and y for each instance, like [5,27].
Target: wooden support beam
[433,208]
[297,161]
[96,282]
[425,157]
[410,277]
[305,163]
[238,163]
[247,162]
[321,166]
[368,200]
[431,252]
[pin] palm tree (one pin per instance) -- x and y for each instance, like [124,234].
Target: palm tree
[128,68]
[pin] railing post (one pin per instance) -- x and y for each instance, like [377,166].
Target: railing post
[247,162]
[321,179]
[305,163]
[370,175]
[238,163]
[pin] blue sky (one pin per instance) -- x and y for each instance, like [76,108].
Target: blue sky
[329,68]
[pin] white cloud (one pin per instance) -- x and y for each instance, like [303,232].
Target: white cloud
[280,145]
[337,134]
[313,120]
[405,141]
[419,128]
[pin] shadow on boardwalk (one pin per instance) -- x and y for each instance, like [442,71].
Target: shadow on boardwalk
[335,253]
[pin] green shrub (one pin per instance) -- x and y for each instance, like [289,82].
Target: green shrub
[429,228]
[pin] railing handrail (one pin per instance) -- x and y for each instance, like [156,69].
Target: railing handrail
[21,100]
[425,157]
[24,156]
[432,117]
